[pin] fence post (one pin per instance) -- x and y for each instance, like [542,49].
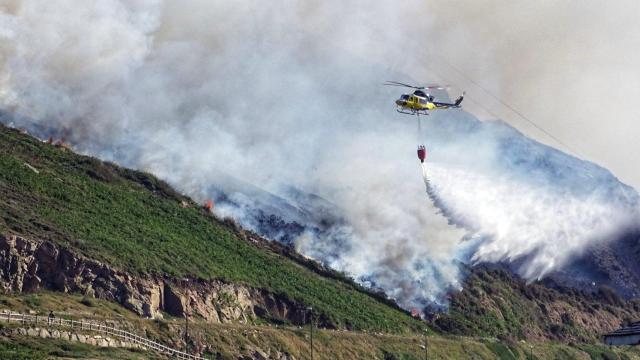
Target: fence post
[8,315]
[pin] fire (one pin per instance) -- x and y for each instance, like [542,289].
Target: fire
[62,144]
[209,205]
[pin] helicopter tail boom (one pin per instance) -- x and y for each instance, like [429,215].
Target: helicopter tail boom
[456,104]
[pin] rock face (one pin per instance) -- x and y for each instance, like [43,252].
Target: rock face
[29,265]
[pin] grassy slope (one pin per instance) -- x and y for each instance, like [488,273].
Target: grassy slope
[228,341]
[23,348]
[495,303]
[135,222]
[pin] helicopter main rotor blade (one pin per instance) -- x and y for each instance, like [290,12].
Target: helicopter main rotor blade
[401,85]
[395,83]
[436,87]
[430,86]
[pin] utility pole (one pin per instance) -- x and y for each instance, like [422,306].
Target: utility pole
[186,333]
[426,346]
[531,352]
[310,309]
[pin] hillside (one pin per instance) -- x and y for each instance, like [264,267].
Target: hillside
[494,302]
[102,214]
[74,224]
[235,341]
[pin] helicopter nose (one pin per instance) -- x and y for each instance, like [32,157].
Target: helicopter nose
[400,102]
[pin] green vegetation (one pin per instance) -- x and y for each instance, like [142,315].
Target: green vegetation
[599,352]
[230,341]
[494,303]
[503,352]
[135,222]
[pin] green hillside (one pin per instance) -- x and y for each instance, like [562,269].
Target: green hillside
[496,303]
[135,222]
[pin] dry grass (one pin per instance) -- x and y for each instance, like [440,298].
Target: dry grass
[228,341]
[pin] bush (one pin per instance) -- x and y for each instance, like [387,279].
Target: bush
[87,301]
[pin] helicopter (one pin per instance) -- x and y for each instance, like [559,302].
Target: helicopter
[420,102]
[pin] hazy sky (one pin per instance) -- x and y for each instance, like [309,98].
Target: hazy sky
[573,67]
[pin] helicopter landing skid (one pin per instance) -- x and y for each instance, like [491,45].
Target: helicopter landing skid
[417,113]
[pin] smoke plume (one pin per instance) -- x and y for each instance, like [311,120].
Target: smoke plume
[251,100]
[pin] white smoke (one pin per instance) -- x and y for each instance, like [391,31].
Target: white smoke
[518,219]
[570,66]
[526,200]
[200,92]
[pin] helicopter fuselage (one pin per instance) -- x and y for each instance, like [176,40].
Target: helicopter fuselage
[414,104]
[419,103]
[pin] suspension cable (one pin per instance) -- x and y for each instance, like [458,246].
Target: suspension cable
[502,102]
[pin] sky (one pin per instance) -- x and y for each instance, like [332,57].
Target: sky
[569,66]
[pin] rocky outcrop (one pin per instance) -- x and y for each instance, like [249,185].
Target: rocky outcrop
[29,265]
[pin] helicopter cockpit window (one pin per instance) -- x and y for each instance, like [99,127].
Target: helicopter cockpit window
[404,97]
[423,101]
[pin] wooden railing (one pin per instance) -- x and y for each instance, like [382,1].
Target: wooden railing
[84,325]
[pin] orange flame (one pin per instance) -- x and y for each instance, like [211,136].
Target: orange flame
[63,144]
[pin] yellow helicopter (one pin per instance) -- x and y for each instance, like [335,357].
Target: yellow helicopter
[420,102]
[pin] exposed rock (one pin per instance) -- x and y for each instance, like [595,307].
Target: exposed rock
[258,354]
[174,302]
[28,265]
